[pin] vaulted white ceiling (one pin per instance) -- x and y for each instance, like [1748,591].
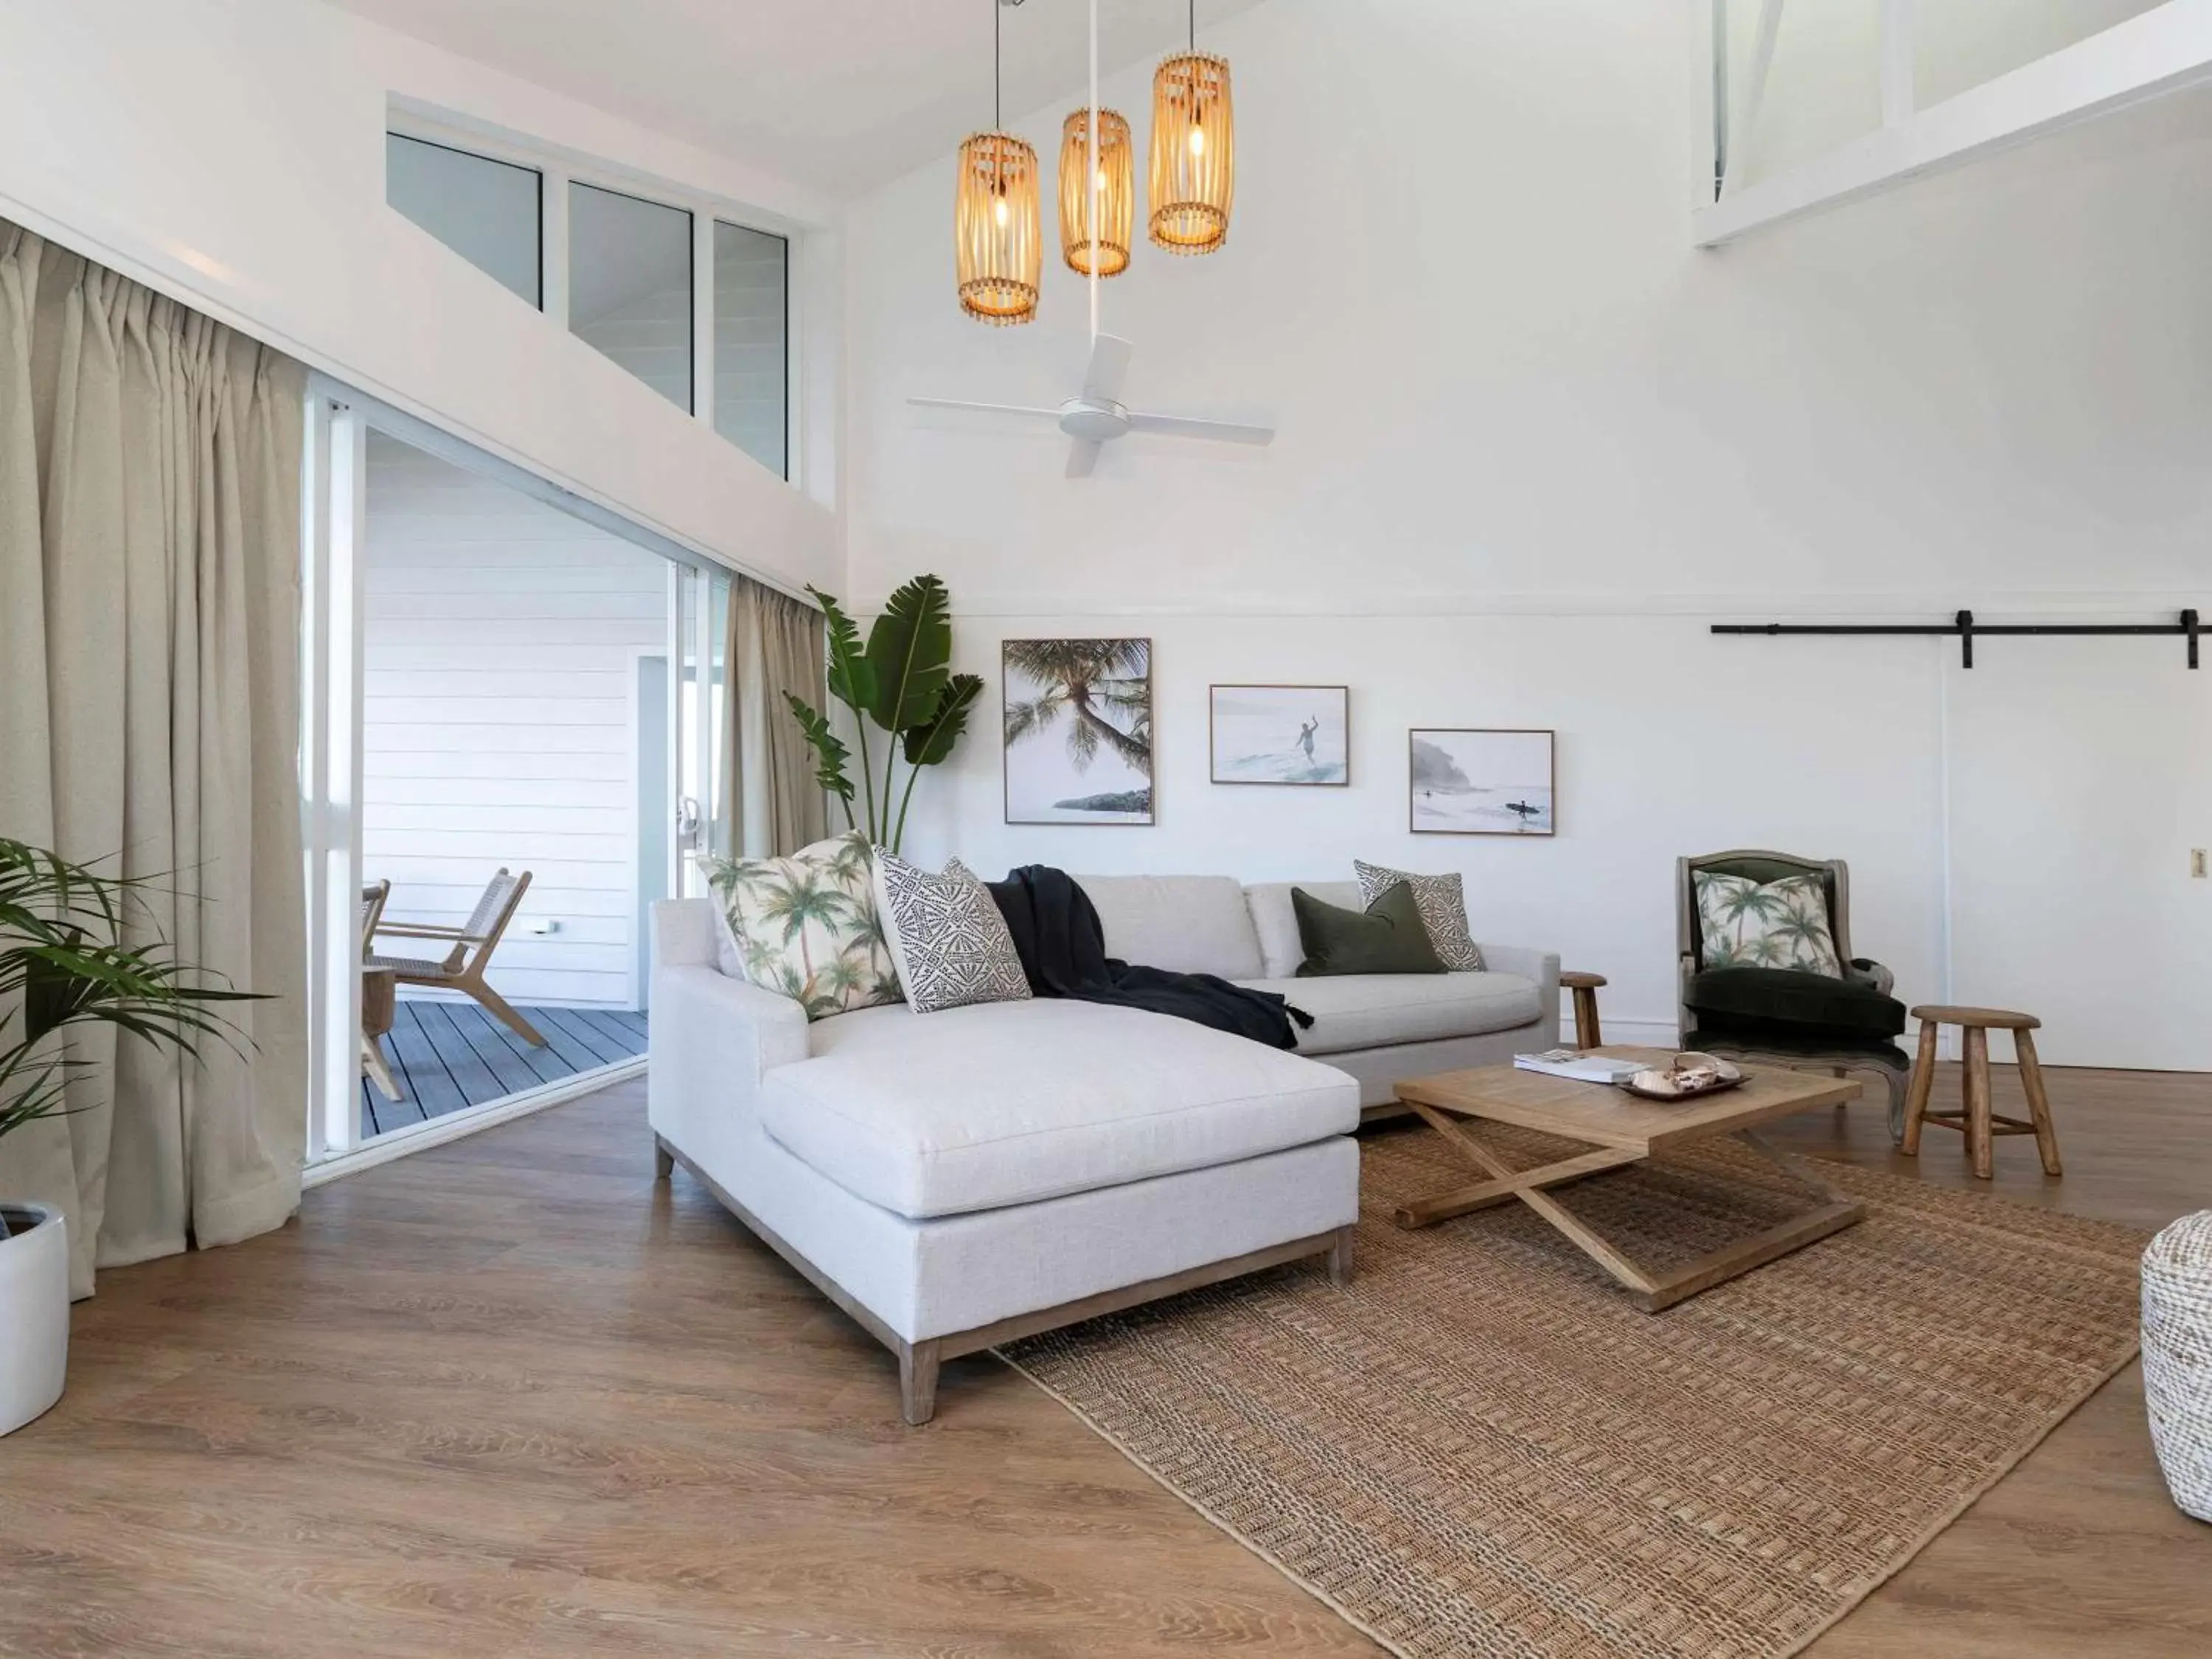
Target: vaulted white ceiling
[839,95]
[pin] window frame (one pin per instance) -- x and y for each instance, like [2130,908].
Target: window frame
[557,168]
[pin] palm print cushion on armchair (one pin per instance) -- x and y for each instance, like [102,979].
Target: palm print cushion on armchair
[1742,923]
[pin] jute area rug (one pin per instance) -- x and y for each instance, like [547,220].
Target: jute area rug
[1480,1448]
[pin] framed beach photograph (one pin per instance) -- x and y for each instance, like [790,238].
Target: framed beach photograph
[1077,731]
[1464,782]
[1295,734]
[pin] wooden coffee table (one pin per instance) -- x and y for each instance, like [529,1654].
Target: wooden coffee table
[1622,1129]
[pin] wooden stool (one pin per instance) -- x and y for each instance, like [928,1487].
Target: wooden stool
[1976,1122]
[1584,985]
[379,1006]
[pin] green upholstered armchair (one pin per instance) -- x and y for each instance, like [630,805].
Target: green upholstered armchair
[1784,1017]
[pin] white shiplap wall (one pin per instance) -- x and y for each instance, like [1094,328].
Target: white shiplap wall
[500,648]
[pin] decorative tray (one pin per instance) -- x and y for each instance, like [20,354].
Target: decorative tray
[1686,1077]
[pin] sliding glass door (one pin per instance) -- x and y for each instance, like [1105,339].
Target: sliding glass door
[513,732]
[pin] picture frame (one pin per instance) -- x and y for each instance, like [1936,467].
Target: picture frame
[1280,736]
[1482,780]
[1076,730]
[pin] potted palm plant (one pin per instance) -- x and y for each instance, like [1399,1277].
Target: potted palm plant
[65,963]
[901,680]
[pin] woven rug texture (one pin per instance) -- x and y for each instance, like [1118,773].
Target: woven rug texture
[1481,1449]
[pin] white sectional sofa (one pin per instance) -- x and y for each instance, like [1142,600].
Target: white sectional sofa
[957,1180]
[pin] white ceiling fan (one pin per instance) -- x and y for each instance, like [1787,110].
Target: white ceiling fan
[1095,417]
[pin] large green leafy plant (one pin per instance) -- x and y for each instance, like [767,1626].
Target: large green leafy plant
[64,962]
[901,682]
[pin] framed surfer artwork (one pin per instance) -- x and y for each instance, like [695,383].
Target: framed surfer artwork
[1282,734]
[1480,782]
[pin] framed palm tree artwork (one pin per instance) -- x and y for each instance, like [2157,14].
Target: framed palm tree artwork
[1078,731]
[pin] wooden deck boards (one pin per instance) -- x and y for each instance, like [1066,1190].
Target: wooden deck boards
[447,1056]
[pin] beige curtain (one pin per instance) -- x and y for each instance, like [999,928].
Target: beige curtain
[150,540]
[776,644]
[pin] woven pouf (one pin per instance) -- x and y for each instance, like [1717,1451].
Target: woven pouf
[2177,1358]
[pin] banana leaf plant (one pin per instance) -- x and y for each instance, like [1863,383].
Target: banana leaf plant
[64,962]
[901,682]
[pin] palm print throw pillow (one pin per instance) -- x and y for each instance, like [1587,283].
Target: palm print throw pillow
[1780,924]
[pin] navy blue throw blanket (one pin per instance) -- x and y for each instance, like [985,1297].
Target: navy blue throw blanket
[1063,950]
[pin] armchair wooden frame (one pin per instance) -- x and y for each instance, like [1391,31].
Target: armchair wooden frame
[463,967]
[1835,878]
[374,1020]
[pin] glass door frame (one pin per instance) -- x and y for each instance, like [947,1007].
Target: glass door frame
[334,531]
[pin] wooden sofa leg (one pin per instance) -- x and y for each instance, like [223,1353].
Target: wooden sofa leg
[1340,1257]
[918,1381]
[663,1161]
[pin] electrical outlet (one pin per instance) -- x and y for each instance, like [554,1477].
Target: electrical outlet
[552,925]
[2197,862]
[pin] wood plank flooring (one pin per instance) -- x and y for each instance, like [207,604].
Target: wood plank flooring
[448,1056]
[508,1397]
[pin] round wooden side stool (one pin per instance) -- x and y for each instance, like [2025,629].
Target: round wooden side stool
[1976,1122]
[1584,985]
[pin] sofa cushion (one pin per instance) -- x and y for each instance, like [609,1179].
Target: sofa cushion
[1000,1103]
[1185,924]
[1387,937]
[1443,909]
[946,934]
[1276,923]
[1366,1011]
[1790,999]
[806,926]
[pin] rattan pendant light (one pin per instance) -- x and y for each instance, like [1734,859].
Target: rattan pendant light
[1114,202]
[995,229]
[1194,171]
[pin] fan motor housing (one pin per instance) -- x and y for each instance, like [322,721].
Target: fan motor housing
[1093,420]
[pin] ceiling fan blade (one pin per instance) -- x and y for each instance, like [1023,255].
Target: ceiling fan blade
[1109,368]
[1081,458]
[1180,426]
[988,409]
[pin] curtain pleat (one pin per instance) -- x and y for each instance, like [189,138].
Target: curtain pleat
[775,645]
[149,535]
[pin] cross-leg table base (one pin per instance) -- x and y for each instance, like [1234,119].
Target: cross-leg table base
[1652,1289]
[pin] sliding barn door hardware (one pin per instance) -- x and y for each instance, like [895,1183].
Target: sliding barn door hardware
[1967,630]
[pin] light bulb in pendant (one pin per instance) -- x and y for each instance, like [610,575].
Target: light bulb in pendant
[999,210]
[1198,141]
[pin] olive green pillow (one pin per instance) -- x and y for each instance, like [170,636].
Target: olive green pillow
[1389,938]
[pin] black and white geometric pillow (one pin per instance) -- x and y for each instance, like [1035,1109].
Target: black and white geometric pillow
[1442,907]
[949,942]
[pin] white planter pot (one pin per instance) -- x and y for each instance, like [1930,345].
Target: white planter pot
[35,1313]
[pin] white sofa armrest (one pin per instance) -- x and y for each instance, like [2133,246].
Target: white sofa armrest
[684,932]
[1542,966]
[711,1042]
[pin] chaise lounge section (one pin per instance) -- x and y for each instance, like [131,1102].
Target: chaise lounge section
[961,1179]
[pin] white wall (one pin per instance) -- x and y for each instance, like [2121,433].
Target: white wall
[231,152]
[501,640]
[1533,443]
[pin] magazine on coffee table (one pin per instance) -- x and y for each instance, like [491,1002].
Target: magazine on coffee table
[1574,1064]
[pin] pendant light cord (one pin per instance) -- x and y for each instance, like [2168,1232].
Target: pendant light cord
[998,115]
[1193,25]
